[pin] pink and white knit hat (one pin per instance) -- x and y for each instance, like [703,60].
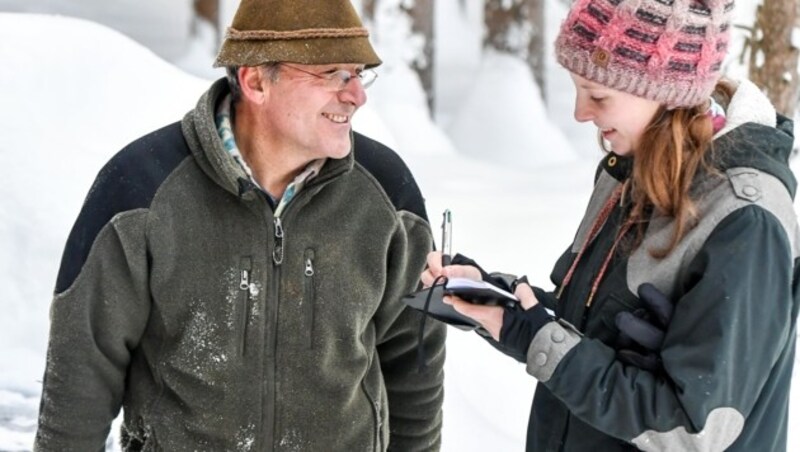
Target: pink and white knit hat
[669,51]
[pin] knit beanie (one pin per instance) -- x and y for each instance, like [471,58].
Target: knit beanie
[296,31]
[669,51]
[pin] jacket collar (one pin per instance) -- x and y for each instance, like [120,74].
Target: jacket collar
[617,166]
[748,104]
[203,139]
[755,136]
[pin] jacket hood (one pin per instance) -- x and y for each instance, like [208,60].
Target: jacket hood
[755,136]
[201,134]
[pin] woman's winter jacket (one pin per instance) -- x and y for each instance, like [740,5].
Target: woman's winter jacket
[729,349]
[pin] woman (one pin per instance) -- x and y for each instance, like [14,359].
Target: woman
[688,246]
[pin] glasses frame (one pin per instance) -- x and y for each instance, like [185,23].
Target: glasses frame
[340,78]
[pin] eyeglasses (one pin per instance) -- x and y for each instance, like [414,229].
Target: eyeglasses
[338,80]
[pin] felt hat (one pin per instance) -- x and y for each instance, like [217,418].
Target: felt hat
[296,31]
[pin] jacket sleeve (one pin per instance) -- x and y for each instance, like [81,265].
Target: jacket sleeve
[547,299]
[96,319]
[415,396]
[728,330]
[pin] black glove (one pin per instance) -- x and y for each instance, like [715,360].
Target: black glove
[641,332]
[519,328]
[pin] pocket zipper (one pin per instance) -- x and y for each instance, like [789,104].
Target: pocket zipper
[308,292]
[247,289]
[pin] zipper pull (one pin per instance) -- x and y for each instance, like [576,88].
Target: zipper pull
[277,253]
[244,283]
[309,267]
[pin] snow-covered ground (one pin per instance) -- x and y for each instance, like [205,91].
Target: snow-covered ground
[74,92]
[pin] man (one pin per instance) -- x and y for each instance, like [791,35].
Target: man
[233,280]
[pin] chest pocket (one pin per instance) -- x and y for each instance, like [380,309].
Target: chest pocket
[613,297]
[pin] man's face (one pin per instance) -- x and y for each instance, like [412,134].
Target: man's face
[309,112]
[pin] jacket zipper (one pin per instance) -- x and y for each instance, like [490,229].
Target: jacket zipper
[309,293]
[246,287]
[277,252]
[376,413]
[271,384]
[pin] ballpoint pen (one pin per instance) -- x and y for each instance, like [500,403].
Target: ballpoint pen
[447,236]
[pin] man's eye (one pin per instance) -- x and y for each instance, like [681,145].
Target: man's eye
[597,99]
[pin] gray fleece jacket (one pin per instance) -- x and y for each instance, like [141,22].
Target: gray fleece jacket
[216,326]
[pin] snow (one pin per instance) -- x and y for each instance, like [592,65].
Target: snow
[516,116]
[517,180]
[159,25]
[69,102]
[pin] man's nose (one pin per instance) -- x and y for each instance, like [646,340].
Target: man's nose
[353,92]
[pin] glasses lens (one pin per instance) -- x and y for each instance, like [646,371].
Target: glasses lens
[338,80]
[367,77]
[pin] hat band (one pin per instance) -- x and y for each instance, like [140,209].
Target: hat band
[308,33]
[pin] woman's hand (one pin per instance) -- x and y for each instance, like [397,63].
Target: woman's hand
[491,317]
[435,270]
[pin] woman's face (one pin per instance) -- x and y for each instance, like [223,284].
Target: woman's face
[621,117]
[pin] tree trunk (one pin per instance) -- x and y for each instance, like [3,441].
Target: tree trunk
[774,53]
[368,10]
[421,13]
[209,10]
[517,27]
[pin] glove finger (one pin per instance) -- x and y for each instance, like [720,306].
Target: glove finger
[624,341]
[648,361]
[657,303]
[642,332]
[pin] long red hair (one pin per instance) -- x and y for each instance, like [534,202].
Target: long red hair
[674,147]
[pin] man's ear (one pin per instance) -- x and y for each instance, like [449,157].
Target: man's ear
[251,81]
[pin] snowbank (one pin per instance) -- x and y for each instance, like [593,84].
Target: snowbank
[504,120]
[162,26]
[73,93]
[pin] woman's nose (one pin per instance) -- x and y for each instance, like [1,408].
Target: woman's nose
[583,112]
